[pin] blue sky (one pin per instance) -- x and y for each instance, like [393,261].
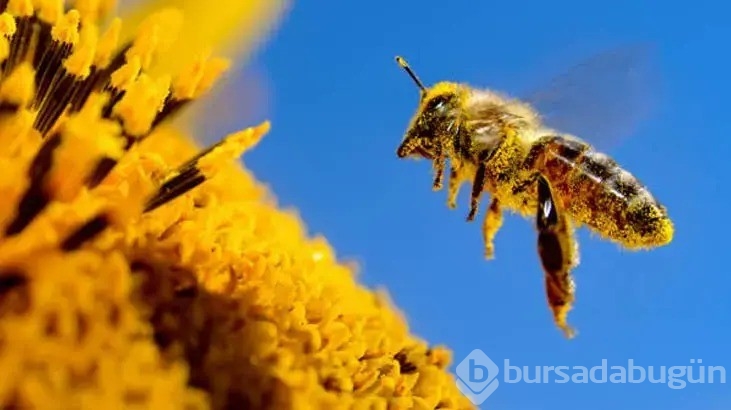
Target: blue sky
[339,107]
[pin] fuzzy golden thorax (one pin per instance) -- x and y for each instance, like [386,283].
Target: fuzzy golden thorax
[468,127]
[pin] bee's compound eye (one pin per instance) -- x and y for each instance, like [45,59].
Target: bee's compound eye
[437,105]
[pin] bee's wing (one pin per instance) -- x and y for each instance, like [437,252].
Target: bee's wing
[602,99]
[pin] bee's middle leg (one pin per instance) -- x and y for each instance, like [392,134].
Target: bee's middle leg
[478,185]
[490,227]
[558,253]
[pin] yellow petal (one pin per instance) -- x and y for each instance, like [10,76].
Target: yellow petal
[230,28]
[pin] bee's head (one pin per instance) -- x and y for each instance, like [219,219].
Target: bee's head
[436,119]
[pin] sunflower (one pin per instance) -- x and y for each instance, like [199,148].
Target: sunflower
[139,270]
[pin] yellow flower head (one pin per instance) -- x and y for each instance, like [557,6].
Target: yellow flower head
[139,271]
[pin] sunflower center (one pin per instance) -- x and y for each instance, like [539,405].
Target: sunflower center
[74,102]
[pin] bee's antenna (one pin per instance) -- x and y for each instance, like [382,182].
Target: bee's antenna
[400,60]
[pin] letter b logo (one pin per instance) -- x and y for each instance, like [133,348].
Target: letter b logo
[477,376]
[478,372]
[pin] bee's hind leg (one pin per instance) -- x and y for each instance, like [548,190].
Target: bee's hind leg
[558,253]
[490,226]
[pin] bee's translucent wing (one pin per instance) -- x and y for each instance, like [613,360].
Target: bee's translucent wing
[603,99]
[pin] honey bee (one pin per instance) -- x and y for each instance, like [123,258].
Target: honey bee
[503,146]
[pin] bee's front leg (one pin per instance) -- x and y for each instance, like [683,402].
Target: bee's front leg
[439,163]
[490,226]
[558,253]
[455,182]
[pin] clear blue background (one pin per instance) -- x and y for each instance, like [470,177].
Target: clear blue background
[340,106]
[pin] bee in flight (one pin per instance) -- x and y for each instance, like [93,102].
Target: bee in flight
[503,146]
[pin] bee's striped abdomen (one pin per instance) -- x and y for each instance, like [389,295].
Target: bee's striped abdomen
[597,192]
